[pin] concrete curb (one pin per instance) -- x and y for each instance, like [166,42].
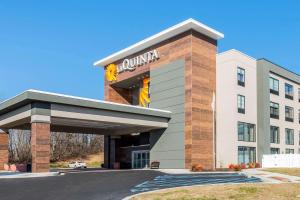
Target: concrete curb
[269,176]
[29,175]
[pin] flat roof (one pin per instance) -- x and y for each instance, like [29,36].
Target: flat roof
[30,96]
[280,70]
[159,37]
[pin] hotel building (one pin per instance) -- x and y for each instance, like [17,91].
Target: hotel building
[257,109]
[174,99]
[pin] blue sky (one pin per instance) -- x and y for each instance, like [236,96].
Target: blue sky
[51,45]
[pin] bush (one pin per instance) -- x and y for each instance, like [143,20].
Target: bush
[231,166]
[197,168]
[251,165]
[237,168]
[243,166]
[257,165]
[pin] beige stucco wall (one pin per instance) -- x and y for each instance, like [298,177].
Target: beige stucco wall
[227,116]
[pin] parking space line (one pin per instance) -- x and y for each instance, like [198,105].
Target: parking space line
[169,181]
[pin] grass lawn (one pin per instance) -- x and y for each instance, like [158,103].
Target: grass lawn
[288,171]
[288,191]
[91,161]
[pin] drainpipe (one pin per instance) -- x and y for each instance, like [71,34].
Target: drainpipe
[213,106]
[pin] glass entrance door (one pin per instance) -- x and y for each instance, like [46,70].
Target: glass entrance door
[140,159]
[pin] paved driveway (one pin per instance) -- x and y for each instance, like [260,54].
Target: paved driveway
[104,185]
[75,186]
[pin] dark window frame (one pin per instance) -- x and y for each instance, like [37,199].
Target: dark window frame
[289,91]
[244,135]
[272,90]
[289,151]
[289,118]
[241,76]
[247,150]
[241,110]
[274,149]
[289,136]
[274,112]
[273,139]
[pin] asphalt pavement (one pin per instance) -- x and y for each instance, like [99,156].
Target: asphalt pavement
[76,186]
[104,185]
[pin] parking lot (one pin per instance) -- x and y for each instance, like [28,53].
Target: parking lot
[95,185]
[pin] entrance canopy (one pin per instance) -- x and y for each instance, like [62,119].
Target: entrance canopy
[79,115]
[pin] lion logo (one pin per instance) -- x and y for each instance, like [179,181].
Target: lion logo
[144,98]
[111,72]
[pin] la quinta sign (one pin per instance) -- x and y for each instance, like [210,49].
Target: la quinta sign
[132,63]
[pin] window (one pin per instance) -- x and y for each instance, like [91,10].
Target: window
[299,94]
[274,86]
[274,133]
[246,155]
[274,110]
[246,132]
[275,151]
[241,104]
[241,76]
[289,91]
[289,136]
[289,114]
[289,151]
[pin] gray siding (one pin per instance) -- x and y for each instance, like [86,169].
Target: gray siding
[264,68]
[263,110]
[167,92]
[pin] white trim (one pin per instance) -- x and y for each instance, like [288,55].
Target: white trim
[159,37]
[102,118]
[40,118]
[15,118]
[95,100]
[236,51]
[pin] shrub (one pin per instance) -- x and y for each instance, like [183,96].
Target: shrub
[237,168]
[243,166]
[197,168]
[231,166]
[251,165]
[257,165]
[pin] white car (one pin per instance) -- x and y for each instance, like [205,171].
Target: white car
[77,164]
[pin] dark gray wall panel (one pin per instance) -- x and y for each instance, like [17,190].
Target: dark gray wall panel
[263,110]
[167,91]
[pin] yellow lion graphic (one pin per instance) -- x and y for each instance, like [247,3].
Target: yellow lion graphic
[144,93]
[111,72]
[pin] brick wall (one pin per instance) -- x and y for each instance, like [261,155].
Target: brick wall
[200,88]
[199,53]
[40,147]
[3,149]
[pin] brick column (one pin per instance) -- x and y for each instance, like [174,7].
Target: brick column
[3,149]
[40,146]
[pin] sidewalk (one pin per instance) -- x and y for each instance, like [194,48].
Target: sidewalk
[7,174]
[269,177]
